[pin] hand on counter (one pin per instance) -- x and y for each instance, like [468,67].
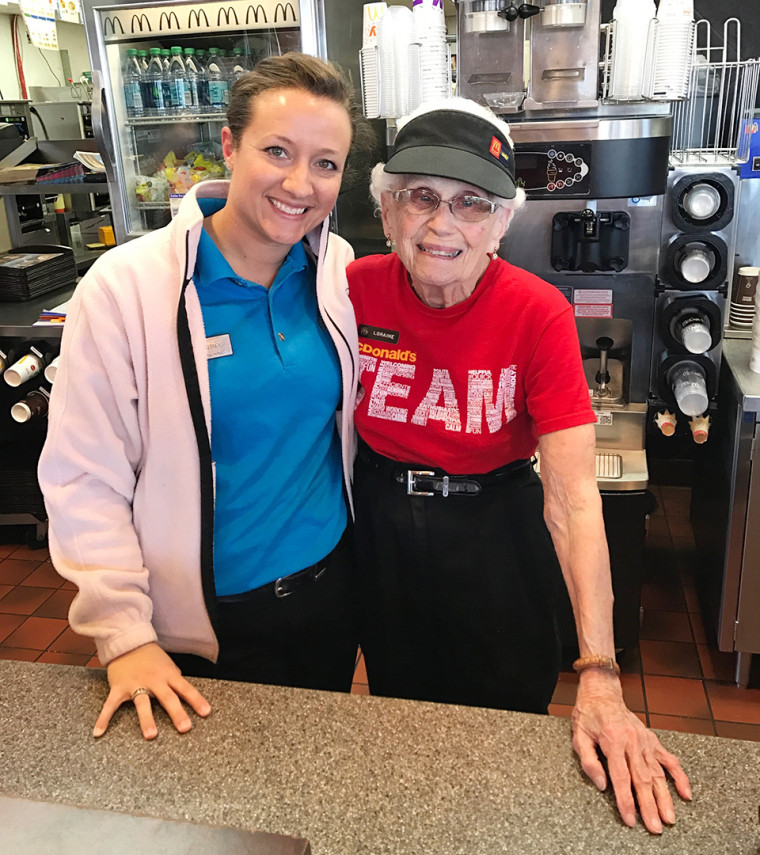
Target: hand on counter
[151,668]
[636,760]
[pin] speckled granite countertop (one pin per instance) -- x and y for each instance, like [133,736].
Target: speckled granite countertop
[357,774]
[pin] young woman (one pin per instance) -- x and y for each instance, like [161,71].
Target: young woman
[194,472]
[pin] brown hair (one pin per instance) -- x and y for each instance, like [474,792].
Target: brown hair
[319,77]
[290,71]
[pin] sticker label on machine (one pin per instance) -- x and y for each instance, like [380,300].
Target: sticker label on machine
[592,302]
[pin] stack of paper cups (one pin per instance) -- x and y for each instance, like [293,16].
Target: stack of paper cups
[430,26]
[741,307]
[754,355]
[373,12]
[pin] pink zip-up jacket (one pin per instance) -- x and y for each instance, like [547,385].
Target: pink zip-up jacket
[126,470]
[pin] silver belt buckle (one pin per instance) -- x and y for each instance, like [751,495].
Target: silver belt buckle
[411,475]
[279,591]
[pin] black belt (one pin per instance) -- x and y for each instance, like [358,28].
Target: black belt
[420,480]
[285,585]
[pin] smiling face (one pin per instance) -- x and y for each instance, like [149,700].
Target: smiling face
[445,257]
[286,168]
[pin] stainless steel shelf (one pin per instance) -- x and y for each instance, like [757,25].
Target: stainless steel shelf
[17,319]
[191,118]
[50,188]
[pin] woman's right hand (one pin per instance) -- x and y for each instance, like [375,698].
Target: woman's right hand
[151,668]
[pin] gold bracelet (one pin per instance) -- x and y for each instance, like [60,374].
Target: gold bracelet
[596,661]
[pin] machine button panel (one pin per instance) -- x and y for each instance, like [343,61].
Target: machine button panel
[553,170]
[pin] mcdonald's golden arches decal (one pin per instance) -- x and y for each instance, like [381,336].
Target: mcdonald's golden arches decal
[181,18]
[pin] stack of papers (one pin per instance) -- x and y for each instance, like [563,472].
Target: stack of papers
[50,317]
[90,160]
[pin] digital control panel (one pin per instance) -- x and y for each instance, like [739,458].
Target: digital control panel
[546,170]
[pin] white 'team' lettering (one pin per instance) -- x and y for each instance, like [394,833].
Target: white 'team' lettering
[440,402]
[480,397]
[428,409]
[384,386]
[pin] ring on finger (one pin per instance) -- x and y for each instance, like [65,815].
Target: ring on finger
[140,690]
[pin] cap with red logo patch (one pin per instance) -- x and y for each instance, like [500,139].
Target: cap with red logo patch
[451,143]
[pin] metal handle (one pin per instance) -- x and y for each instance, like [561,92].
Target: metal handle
[604,343]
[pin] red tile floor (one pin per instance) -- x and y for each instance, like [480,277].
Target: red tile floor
[676,680]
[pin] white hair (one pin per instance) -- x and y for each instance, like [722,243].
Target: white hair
[382,181]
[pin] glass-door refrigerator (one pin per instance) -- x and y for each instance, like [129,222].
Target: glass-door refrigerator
[155,150]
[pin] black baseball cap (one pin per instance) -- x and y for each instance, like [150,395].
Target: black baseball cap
[456,144]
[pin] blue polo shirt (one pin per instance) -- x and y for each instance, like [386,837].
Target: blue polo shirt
[275,386]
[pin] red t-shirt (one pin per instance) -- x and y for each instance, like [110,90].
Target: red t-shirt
[471,387]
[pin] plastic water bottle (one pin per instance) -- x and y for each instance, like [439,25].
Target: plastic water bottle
[240,64]
[225,64]
[142,58]
[153,89]
[192,75]
[201,62]
[218,86]
[168,99]
[177,81]
[132,90]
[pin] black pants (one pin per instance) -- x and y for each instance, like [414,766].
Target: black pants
[307,639]
[458,593]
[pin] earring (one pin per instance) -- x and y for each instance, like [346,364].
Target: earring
[388,241]
[495,254]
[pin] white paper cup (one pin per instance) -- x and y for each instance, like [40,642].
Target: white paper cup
[696,266]
[51,369]
[24,369]
[690,390]
[371,15]
[754,359]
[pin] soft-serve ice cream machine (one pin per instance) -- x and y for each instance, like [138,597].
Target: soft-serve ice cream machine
[516,57]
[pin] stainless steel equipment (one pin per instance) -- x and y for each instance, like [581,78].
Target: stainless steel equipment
[725,512]
[696,261]
[591,226]
[133,149]
[562,38]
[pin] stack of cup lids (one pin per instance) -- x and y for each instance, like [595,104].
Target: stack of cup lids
[741,308]
[397,92]
[673,36]
[430,27]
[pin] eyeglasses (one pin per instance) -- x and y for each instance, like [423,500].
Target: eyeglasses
[420,200]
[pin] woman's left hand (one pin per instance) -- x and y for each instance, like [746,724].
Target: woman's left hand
[636,760]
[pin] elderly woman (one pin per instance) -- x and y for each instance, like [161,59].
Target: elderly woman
[467,366]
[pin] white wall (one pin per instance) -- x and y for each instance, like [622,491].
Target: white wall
[36,72]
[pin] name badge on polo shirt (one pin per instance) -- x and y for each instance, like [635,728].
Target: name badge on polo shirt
[218,345]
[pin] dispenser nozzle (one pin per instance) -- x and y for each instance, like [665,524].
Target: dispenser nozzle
[510,12]
[666,422]
[604,343]
[700,427]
